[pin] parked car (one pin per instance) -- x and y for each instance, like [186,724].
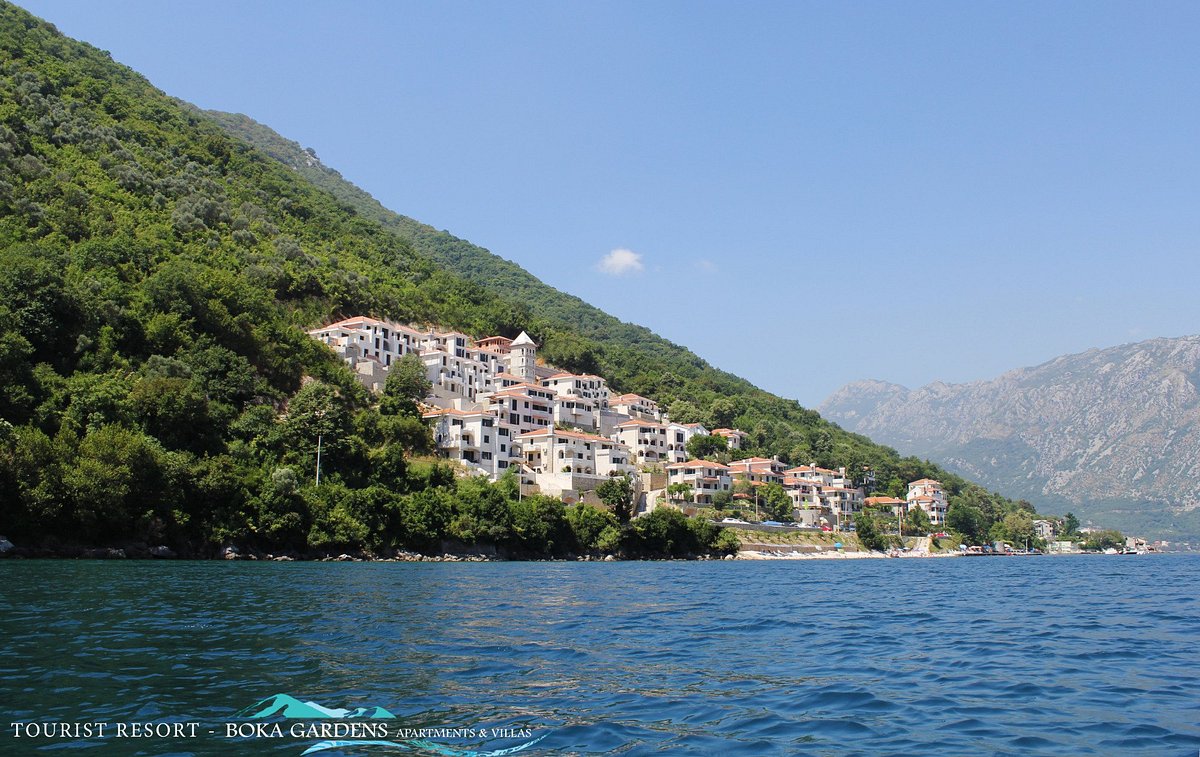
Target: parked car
[733,520]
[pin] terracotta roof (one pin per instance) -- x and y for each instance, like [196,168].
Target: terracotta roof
[789,481]
[573,434]
[623,398]
[635,422]
[699,464]
[452,411]
[812,468]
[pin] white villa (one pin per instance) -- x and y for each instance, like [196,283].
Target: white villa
[678,435]
[481,441]
[568,463]
[647,440]
[705,478]
[734,438]
[928,495]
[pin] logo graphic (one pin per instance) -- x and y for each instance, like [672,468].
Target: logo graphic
[289,708]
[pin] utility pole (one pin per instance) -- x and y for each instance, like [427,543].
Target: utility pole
[319,459]
[320,416]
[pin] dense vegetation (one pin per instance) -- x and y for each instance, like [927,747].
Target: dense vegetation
[156,278]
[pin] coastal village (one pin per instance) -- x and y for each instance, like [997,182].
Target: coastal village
[494,407]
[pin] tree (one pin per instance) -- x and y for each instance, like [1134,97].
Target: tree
[1070,525]
[683,411]
[319,414]
[701,446]
[918,521]
[407,384]
[1099,540]
[540,526]
[679,492]
[588,523]
[722,412]
[776,502]
[617,494]
[721,499]
[665,532]
[1016,529]
[868,535]
[174,411]
[968,522]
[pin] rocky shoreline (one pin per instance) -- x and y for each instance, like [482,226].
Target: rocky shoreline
[234,553]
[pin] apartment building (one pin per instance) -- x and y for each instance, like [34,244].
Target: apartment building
[678,435]
[703,477]
[586,386]
[733,438]
[899,507]
[478,439]
[636,406]
[365,337]
[569,463]
[528,407]
[844,502]
[646,439]
[759,470]
[928,495]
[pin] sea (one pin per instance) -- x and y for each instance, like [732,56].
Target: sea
[1007,655]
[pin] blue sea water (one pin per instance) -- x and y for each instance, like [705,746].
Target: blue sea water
[1043,655]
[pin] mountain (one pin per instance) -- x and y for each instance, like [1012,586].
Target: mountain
[157,276]
[1113,434]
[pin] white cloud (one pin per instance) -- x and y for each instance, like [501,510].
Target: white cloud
[707,266]
[620,262]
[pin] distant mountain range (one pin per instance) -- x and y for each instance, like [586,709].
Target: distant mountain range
[1110,434]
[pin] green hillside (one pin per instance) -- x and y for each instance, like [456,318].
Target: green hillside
[156,277]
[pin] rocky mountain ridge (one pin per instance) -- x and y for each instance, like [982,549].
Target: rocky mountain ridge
[1113,434]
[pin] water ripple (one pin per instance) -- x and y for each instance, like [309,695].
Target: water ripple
[1046,656]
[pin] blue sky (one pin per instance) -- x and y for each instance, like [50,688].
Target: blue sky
[806,193]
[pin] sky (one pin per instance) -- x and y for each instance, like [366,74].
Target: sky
[803,193]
